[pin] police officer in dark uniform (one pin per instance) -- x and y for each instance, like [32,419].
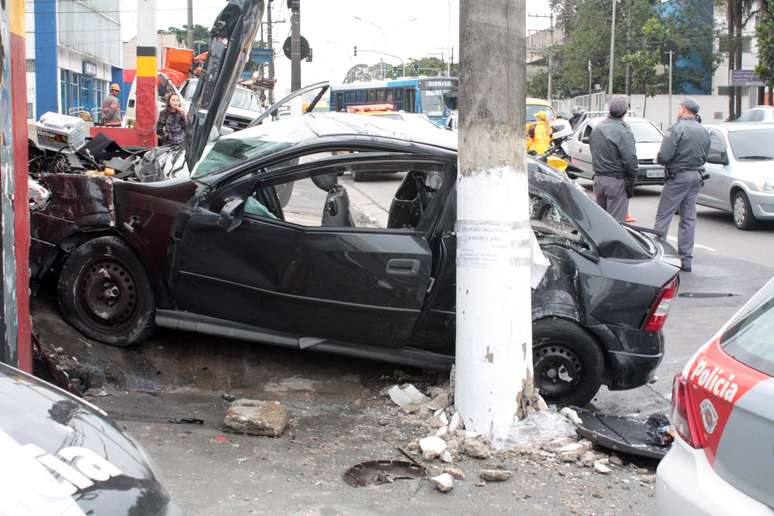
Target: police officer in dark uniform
[614,159]
[683,153]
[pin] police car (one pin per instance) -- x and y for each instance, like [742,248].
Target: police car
[60,455]
[722,459]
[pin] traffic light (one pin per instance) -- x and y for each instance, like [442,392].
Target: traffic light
[355,50]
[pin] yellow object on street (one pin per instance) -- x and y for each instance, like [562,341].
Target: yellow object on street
[539,139]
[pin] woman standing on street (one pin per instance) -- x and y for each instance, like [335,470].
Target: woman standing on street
[171,125]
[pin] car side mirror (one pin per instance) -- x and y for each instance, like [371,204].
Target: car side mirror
[717,158]
[231,214]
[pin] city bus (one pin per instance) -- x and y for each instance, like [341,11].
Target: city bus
[435,97]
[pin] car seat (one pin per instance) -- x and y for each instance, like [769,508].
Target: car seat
[336,209]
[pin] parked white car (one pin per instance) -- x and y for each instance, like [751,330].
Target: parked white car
[741,169]
[646,136]
[758,114]
[243,108]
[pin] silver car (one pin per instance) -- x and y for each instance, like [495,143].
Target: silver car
[758,114]
[741,169]
[647,139]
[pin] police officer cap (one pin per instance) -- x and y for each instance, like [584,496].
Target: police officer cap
[619,105]
[691,105]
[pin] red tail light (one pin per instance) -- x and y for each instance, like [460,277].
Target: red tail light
[682,416]
[660,310]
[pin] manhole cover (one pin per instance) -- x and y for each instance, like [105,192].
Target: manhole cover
[705,295]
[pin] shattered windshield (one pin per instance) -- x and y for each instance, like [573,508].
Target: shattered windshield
[247,144]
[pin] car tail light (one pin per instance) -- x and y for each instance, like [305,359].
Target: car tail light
[660,310]
[682,417]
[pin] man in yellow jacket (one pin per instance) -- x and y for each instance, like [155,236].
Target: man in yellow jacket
[539,139]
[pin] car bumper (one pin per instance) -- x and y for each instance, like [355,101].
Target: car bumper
[650,175]
[632,355]
[687,485]
[762,204]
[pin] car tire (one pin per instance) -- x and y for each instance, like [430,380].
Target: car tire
[105,294]
[568,363]
[742,211]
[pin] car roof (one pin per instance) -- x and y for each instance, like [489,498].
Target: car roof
[740,126]
[636,119]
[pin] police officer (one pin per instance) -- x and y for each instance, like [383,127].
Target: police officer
[614,158]
[683,153]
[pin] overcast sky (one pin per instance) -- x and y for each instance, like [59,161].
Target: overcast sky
[405,28]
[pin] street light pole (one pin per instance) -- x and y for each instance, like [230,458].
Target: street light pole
[295,45]
[494,321]
[550,56]
[612,55]
[671,58]
[589,83]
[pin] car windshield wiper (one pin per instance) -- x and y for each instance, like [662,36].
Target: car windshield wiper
[766,158]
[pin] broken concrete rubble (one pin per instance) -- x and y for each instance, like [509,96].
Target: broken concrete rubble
[447,457]
[573,451]
[457,473]
[495,475]
[476,448]
[432,447]
[588,459]
[599,467]
[407,395]
[571,415]
[443,482]
[257,417]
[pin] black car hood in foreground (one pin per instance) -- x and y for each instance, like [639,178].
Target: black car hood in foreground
[62,456]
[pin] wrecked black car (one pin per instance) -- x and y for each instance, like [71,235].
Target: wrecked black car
[62,455]
[262,241]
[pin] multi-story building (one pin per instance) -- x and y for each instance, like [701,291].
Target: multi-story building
[73,54]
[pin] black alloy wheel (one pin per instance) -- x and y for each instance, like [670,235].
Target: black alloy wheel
[104,292]
[568,364]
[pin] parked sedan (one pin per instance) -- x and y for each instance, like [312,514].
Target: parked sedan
[62,455]
[218,251]
[722,459]
[741,169]
[646,136]
[758,114]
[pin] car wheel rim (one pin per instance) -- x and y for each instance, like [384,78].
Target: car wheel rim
[108,294]
[558,370]
[740,210]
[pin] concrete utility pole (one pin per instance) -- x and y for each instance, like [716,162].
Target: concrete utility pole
[627,87]
[589,83]
[190,31]
[612,55]
[494,323]
[271,46]
[147,68]
[295,44]
[550,56]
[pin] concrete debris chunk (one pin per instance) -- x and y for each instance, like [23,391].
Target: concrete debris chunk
[442,432]
[439,419]
[495,475]
[432,447]
[457,473]
[447,457]
[588,459]
[571,415]
[616,460]
[601,468]
[476,448]
[441,401]
[553,446]
[257,417]
[572,452]
[455,423]
[443,482]
[406,395]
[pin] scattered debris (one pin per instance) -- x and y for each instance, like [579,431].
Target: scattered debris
[441,401]
[457,473]
[660,429]
[599,467]
[432,447]
[455,423]
[495,475]
[257,417]
[588,459]
[228,397]
[407,397]
[443,482]
[439,419]
[382,472]
[446,457]
[538,426]
[476,448]
[573,451]
[220,439]
[630,435]
[186,421]
[616,460]
[480,483]
[572,415]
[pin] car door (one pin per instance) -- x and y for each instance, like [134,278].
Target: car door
[279,269]
[716,191]
[581,157]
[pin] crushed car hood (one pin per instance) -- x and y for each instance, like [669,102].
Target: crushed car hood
[231,39]
[64,456]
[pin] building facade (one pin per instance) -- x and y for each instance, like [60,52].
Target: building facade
[73,54]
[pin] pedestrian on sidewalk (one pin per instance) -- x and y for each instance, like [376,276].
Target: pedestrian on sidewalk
[110,111]
[170,127]
[683,153]
[614,159]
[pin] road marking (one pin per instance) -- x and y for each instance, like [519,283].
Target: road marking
[707,248]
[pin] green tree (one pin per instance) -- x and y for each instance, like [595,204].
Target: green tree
[200,33]
[537,85]
[359,72]
[764,32]
[645,60]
